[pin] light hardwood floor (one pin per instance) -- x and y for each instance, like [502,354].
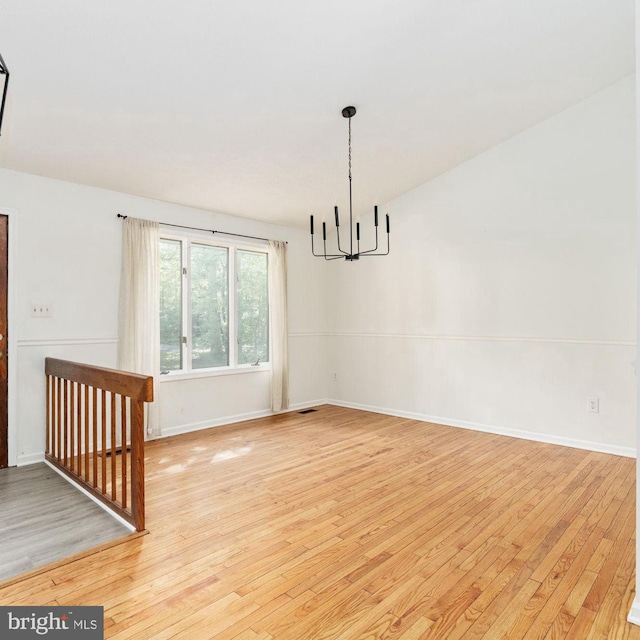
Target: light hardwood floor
[352,525]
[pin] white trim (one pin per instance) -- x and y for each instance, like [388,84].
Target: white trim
[418,336]
[600,447]
[89,495]
[302,405]
[56,342]
[167,432]
[634,613]
[29,458]
[308,334]
[176,376]
[243,417]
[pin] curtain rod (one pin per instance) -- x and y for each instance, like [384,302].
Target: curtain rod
[224,233]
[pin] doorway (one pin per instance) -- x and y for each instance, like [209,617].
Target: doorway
[4,370]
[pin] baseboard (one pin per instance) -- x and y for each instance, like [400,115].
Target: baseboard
[33,458]
[241,417]
[634,614]
[91,497]
[600,447]
[29,458]
[304,405]
[626,452]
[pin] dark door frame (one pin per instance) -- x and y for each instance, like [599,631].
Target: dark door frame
[4,337]
[10,343]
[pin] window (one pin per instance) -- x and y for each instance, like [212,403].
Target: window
[214,308]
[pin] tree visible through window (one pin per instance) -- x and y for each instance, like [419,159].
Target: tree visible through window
[253,307]
[170,305]
[209,306]
[214,309]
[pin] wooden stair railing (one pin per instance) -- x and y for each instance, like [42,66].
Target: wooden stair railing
[95,432]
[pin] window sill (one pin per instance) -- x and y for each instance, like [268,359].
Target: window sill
[174,376]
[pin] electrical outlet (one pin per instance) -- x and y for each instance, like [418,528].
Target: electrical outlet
[335,376]
[593,405]
[40,310]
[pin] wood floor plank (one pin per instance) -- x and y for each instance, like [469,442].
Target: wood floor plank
[342,524]
[417,630]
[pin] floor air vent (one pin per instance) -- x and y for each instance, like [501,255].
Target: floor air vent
[307,411]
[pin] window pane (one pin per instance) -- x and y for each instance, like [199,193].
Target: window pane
[253,308]
[170,305]
[209,306]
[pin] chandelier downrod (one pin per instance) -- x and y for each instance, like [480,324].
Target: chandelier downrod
[349,112]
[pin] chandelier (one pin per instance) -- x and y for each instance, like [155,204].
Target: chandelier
[349,112]
[4,71]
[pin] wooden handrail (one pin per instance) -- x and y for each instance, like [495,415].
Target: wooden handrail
[89,409]
[132,385]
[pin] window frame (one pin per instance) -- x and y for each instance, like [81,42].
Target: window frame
[186,241]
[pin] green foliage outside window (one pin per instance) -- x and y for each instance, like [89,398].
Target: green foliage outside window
[210,324]
[253,308]
[209,306]
[170,305]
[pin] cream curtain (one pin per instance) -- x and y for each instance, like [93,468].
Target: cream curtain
[279,326]
[139,317]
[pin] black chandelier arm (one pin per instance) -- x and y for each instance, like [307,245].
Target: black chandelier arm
[331,256]
[325,255]
[313,251]
[372,251]
[344,254]
[362,253]
[340,249]
[366,254]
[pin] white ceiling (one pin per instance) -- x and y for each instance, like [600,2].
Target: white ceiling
[234,105]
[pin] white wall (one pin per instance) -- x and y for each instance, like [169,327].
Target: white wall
[508,298]
[68,256]
[509,295]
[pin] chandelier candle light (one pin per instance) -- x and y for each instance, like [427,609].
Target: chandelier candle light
[349,112]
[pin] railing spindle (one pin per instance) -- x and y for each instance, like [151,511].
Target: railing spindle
[79,430]
[59,418]
[95,436]
[72,406]
[48,415]
[113,446]
[85,395]
[77,433]
[123,460]
[65,406]
[103,447]
[54,414]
